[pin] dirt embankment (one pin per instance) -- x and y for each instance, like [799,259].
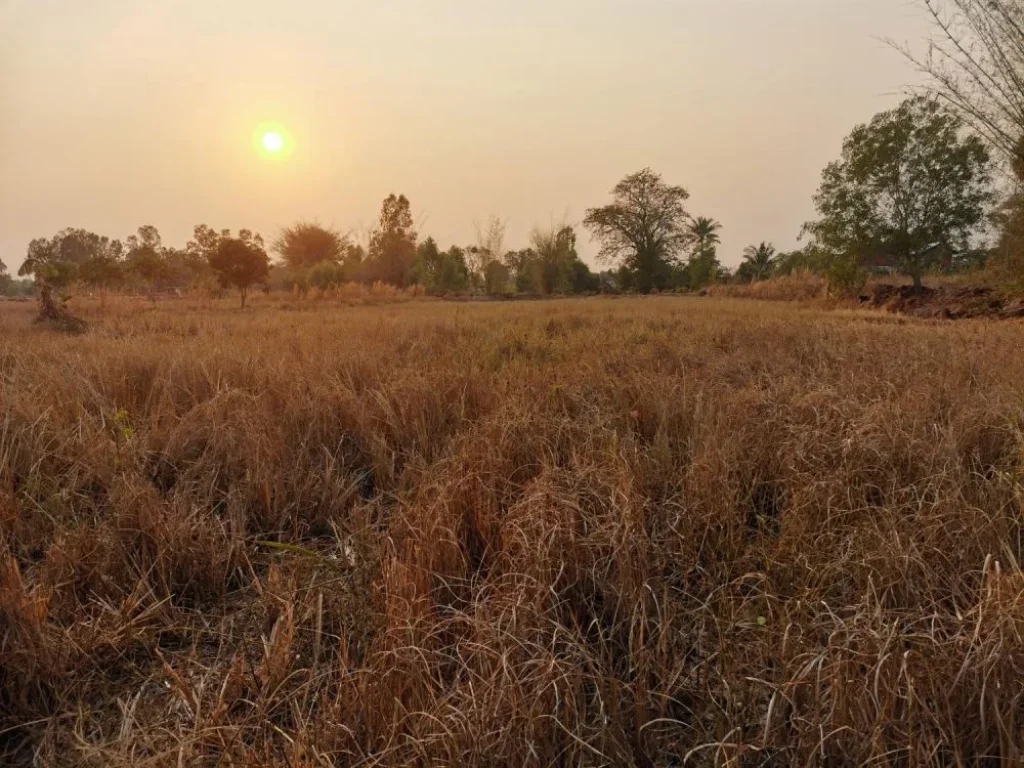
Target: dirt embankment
[946,302]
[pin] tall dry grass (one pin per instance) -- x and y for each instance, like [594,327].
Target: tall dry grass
[653,532]
[798,286]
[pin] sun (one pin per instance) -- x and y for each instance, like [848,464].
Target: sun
[273,142]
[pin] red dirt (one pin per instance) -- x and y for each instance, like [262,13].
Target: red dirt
[944,303]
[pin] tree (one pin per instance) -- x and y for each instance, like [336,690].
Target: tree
[454,272]
[104,269]
[306,244]
[702,267]
[145,257]
[645,228]
[427,266]
[325,274]
[490,242]
[55,264]
[976,63]
[496,277]
[907,182]
[393,243]
[582,279]
[353,262]
[440,272]
[810,258]
[59,260]
[240,261]
[183,268]
[758,261]
[705,233]
[6,281]
[555,250]
[525,268]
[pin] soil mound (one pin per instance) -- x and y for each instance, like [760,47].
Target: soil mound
[944,303]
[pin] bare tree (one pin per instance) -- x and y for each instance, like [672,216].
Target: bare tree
[977,64]
[490,243]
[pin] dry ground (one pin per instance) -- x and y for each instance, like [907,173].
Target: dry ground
[594,532]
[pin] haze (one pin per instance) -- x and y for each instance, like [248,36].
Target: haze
[117,113]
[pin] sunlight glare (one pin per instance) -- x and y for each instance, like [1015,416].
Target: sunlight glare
[273,141]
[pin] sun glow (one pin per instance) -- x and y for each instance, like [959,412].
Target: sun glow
[272,140]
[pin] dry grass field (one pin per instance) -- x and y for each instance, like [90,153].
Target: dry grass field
[661,532]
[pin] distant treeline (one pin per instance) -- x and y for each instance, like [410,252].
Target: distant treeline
[912,193]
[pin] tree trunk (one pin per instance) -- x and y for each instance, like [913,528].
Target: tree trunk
[243,292]
[51,310]
[918,285]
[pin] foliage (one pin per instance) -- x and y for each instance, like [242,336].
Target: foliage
[525,267]
[440,272]
[908,181]
[845,275]
[64,258]
[496,278]
[393,244]
[758,262]
[326,274]
[306,244]
[239,262]
[144,256]
[705,233]
[645,229]
[703,267]
[810,258]
[555,250]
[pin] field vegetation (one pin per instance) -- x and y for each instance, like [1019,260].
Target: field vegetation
[651,531]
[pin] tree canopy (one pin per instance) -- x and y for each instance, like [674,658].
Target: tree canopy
[908,181]
[758,262]
[393,242]
[645,228]
[306,244]
[240,262]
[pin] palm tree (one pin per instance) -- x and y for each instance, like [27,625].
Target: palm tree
[759,260]
[705,230]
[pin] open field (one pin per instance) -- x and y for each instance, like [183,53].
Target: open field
[585,532]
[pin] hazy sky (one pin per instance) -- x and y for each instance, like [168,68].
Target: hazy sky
[116,113]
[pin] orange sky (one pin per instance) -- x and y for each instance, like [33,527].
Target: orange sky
[116,113]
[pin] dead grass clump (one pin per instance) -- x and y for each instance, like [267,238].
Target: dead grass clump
[642,532]
[799,286]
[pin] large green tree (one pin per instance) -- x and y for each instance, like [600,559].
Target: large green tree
[908,181]
[645,228]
